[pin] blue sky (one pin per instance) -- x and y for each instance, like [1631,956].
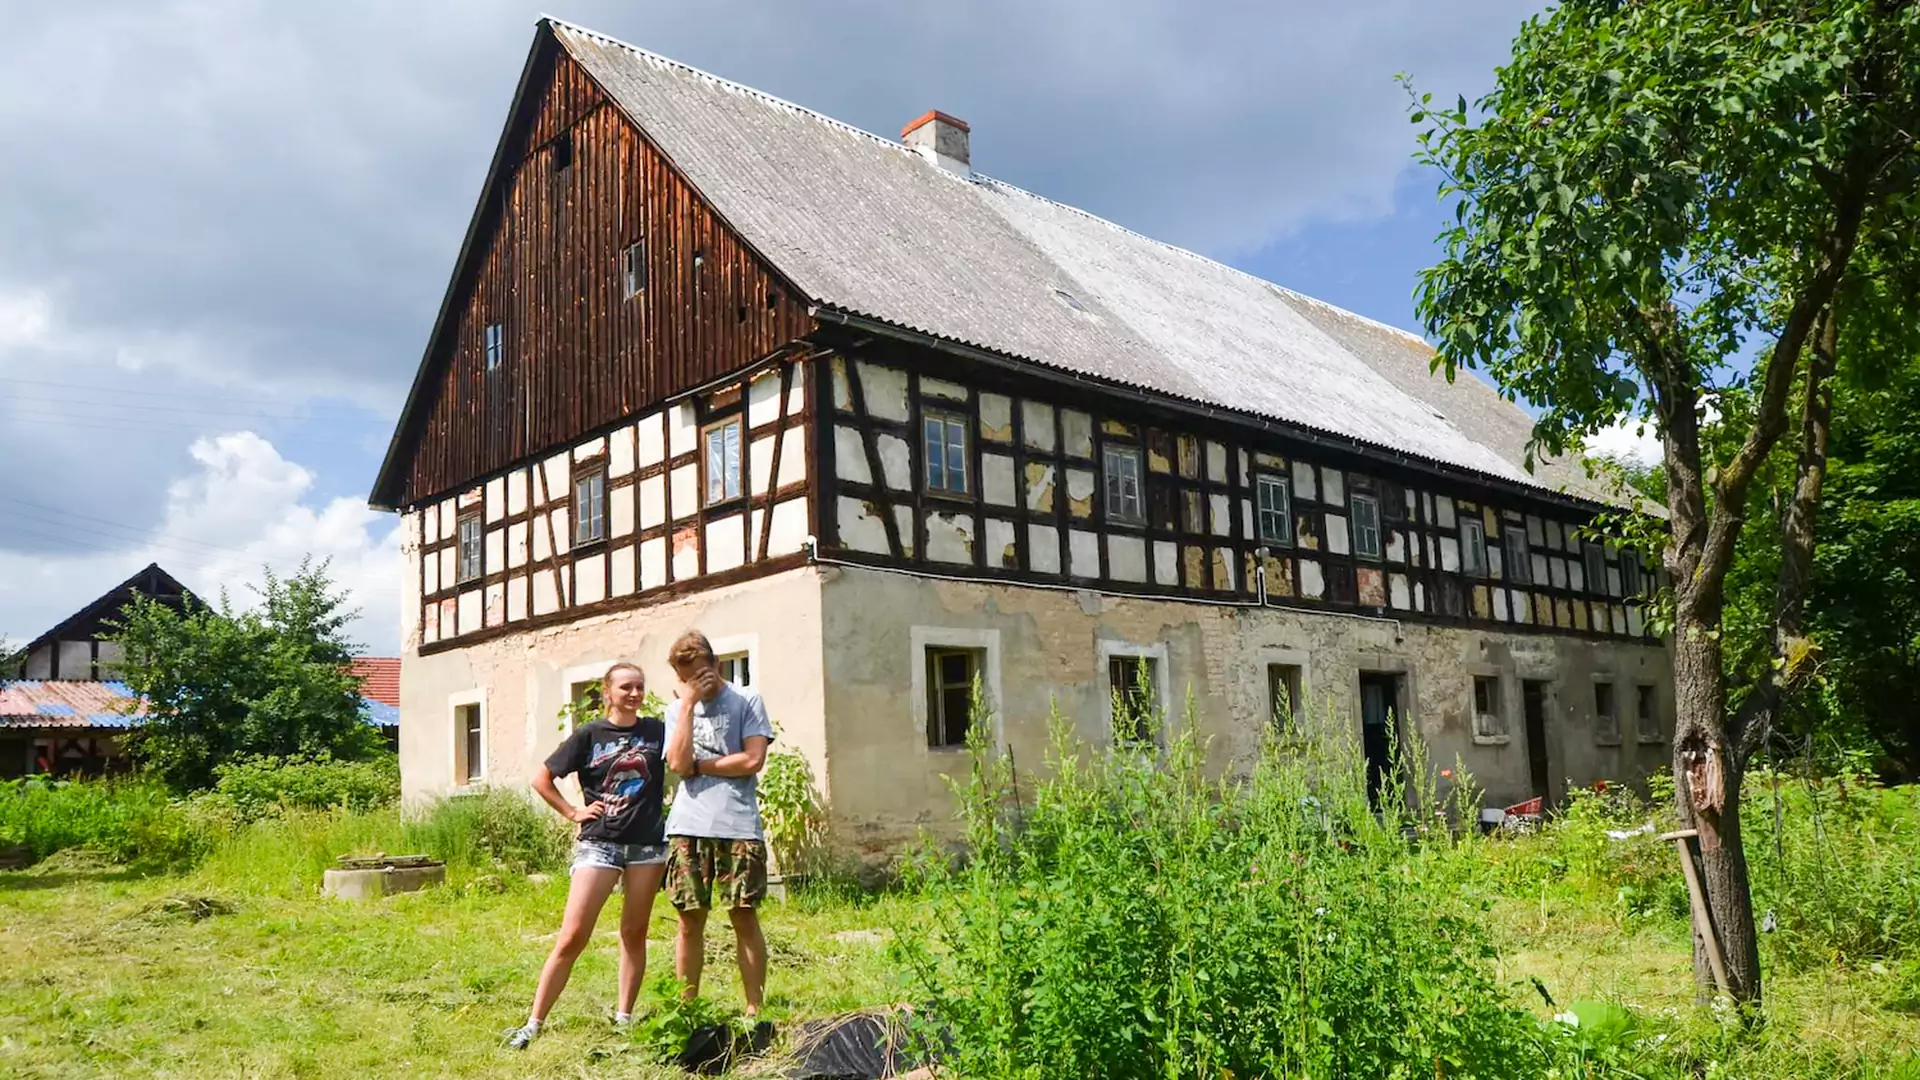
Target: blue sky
[219,267]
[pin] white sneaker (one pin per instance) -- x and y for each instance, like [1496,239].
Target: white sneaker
[519,1037]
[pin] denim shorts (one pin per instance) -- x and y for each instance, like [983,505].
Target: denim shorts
[604,855]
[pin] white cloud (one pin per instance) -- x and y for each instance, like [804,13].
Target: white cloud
[243,507]
[1629,440]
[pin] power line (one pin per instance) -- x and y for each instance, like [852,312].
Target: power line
[123,390]
[343,412]
[138,533]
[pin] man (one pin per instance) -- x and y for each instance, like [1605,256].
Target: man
[717,737]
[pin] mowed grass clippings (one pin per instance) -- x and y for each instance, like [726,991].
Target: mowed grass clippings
[108,975]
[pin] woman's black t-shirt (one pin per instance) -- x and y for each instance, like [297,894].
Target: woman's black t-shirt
[622,768]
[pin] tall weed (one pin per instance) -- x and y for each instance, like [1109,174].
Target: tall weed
[131,821]
[1136,919]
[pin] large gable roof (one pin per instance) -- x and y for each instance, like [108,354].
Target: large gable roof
[865,226]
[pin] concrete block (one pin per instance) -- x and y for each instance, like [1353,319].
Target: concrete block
[372,884]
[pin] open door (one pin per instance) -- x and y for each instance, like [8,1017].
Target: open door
[1379,729]
[1533,695]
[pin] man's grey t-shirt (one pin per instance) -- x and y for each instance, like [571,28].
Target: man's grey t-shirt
[719,807]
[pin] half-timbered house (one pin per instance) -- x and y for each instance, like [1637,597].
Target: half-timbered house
[883,426]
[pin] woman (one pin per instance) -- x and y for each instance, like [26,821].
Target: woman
[619,838]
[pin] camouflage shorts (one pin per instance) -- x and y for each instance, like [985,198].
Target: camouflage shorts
[703,873]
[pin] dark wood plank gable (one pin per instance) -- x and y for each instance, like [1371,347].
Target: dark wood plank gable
[579,183]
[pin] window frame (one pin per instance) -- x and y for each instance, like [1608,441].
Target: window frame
[1479,565]
[587,476]
[1490,725]
[468,770]
[461,576]
[1644,733]
[1109,453]
[736,423]
[1262,484]
[1522,559]
[949,421]
[738,660]
[493,346]
[939,725]
[1355,500]
[1606,721]
[1595,559]
[633,269]
[1289,678]
[1632,567]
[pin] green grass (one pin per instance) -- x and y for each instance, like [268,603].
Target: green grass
[103,972]
[101,980]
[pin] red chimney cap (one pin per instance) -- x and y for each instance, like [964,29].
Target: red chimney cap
[931,115]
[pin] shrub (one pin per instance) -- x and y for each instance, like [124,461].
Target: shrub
[503,827]
[129,821]
[1138,920]
[790,807]
[258,786]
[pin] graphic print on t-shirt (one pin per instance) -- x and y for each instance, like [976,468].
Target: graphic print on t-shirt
[620,768]
[625,761]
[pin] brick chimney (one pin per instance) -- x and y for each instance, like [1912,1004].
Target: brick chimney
[941,139]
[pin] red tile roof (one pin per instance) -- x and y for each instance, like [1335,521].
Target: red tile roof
[379,678]
[32,703]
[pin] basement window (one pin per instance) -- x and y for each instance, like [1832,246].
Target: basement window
[633,268]
[950,678]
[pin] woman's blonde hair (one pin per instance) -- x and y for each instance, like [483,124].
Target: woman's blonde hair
[606,680]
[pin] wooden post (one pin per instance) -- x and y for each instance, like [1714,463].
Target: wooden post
[1702,919]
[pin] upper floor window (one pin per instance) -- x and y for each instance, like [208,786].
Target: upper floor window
[633,267]
[1276,510]
[1596,560]
[496,343]
[1473,547]
[946,446]
[590,507]
[470,566]
[1365,512]
[723,461]
[1519,557]
[1631,579]
[1122,465]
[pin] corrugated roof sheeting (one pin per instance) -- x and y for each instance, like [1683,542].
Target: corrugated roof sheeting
[864,225]
[47,704]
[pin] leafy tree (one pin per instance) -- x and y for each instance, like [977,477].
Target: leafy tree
[271,681]
[1663,211]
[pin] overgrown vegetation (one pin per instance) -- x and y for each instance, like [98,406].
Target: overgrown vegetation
[272,681]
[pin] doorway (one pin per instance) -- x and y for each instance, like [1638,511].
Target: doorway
[1379,729]
[1533,699]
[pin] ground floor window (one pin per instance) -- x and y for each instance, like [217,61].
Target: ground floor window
[1132,682]
[470,755]
[1283,697]
[950,678]
[1489,721]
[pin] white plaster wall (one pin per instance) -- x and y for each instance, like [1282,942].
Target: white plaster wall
[522,676]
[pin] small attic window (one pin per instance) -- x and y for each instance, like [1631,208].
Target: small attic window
[563,153]
[1069,299]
